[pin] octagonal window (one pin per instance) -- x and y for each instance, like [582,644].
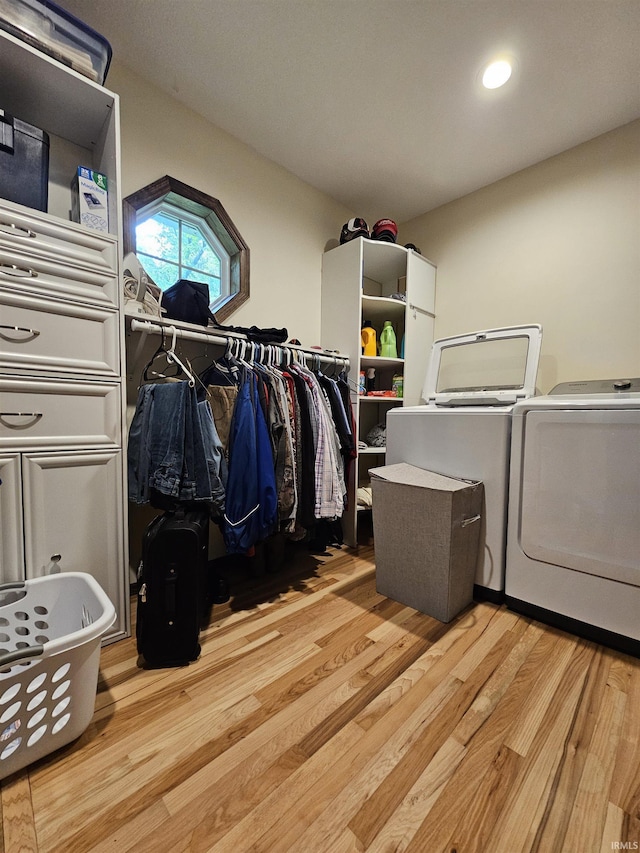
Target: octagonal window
[178,232]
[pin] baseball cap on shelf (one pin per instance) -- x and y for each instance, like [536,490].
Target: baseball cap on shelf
[385,229]
[354,228]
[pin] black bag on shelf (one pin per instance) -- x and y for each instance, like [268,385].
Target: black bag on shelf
[188,301]
[172,588]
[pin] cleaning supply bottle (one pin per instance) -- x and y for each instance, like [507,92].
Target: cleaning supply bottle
[368,339]
[388,348]
[371,379]
[397,384]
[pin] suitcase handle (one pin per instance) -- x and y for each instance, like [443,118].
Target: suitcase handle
[170,593]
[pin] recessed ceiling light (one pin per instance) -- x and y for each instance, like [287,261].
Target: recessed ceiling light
[496,74]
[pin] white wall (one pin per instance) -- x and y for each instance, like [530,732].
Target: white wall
[556,244]
[285,222]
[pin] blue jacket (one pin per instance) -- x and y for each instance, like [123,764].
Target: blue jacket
[251,509]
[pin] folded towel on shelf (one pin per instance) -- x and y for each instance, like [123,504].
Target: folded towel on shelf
[364,496]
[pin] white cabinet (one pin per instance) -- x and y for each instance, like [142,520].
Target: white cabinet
[359,279]
[64,507]
[62,421]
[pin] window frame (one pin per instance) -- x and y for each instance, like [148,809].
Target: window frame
[194,203]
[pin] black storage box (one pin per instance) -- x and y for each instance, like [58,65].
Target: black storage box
[24,162]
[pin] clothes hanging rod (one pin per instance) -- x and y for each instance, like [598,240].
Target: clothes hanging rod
[157,328]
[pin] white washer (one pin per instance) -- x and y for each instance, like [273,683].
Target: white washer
[464,430]
[573,549]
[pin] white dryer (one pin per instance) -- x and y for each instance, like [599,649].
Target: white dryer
[573,549]
[464,430]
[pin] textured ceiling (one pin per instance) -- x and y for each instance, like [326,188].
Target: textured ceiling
[377,102]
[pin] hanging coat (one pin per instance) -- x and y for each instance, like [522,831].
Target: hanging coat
[251,512]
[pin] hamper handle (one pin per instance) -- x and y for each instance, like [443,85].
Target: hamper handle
[4,587]
[9,658]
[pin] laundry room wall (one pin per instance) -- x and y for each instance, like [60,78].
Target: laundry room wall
[285,222]
[557,244]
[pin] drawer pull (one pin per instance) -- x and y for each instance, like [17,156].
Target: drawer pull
[34,418]
[16,230]
[53,568]
[30,333]
[17,272]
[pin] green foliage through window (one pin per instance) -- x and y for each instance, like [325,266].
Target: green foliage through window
[171,248]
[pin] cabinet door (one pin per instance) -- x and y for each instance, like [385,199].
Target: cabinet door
[11,547]
[421,283]
[419,326]
[73,518]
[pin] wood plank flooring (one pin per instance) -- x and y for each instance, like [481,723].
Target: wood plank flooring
[322,716]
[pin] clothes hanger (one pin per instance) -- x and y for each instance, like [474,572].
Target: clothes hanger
[206,355]
[162,350]
[242,351]
[173,356]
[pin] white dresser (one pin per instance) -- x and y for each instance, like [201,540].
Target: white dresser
[62,430]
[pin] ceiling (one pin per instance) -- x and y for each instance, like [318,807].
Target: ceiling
[377,102]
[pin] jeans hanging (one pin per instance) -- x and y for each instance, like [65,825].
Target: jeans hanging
[166,453]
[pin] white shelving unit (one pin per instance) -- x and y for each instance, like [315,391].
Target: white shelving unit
[358,280]
[62,423]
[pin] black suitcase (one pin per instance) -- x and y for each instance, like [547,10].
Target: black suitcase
[172,596]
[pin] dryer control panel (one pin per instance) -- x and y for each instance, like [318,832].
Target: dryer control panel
[598,386]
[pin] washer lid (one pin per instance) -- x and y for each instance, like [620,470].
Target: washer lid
[495,367]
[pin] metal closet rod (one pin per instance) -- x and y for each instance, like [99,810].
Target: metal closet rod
[148,327]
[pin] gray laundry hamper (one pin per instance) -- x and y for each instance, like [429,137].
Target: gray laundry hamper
[426,531]
[50,633]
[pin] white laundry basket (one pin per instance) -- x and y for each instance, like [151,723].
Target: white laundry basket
[50,631]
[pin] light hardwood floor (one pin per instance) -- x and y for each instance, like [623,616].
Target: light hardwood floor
[322,716]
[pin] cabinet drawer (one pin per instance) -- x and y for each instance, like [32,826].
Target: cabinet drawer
[40,334]
[49,413]
[59,278]
[34,232]
[48,256]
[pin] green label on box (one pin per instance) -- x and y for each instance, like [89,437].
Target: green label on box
[101,180]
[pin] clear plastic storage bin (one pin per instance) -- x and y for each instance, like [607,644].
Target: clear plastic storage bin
[50,632]
[54,31]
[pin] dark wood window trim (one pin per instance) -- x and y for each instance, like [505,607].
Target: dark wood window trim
[211,210]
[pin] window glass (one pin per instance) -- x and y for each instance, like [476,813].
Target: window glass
[158,237]
[483,365]
[171,246]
